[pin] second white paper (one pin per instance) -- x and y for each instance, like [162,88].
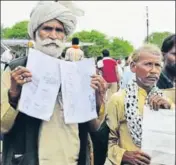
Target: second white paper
[78,97]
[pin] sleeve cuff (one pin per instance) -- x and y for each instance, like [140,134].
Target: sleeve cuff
[116,155]
[120,155]
[6,119]
[13,101]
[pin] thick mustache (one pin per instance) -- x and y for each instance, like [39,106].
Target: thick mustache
[155,77]
[50,42]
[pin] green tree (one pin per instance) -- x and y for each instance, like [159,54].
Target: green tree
[157,38]
[18,31]
[120,48]
[99,39]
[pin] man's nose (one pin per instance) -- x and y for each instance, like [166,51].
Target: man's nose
[154,69]
[53,35]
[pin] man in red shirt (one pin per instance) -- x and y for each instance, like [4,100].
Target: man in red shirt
[109,72]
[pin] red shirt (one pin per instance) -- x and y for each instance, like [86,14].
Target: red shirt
[109,70]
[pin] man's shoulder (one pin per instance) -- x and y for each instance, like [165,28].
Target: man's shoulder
[21,61]
[109,59]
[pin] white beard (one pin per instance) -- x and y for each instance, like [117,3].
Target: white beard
[53,48]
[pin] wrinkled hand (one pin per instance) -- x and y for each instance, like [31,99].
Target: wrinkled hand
[136,158]
[99,84]
[156,102]
[19,76]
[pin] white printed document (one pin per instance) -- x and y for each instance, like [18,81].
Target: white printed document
[78,96]
[158,139]
[38,97]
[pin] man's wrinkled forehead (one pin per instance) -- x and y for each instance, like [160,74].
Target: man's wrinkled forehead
[147,56]
[52,23]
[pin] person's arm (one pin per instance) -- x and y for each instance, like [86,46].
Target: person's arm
[117,72]
[115,152]
[95,124]
[67,55]
[8,113]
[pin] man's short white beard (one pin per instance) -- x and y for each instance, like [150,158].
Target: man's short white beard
[48,46]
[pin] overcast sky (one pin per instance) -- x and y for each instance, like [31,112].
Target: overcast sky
[115,18]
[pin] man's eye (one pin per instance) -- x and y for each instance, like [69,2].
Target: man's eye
[148,64]
[47,28]
[59,30]
[158,65]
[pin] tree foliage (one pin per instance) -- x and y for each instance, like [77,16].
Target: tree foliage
[118,47]
[17,31]
[157,38]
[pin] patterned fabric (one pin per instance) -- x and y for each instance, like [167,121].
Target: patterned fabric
[134,120]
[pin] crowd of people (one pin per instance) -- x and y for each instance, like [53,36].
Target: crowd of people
[115,136]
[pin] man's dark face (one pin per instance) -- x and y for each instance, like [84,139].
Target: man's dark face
[170,61]
[147,69]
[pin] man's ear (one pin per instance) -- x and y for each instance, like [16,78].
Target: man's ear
[133,67]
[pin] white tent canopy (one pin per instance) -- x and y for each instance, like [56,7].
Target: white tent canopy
[24,42]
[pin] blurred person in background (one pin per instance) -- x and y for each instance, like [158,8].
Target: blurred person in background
[128,75]
[74,53]
[168,74]
[110,73]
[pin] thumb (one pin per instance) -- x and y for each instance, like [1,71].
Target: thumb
[166,106]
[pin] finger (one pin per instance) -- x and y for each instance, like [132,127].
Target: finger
[19,70]
[143,159]
[97,83]
[97,78]
[145,155]
[156,103]
[152,101]
[151,98]
[100,83]
[139,162]
[161,103]
[166,106]
[94,86]
[26,74]
[20,80]
[24,81]
[21,76]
